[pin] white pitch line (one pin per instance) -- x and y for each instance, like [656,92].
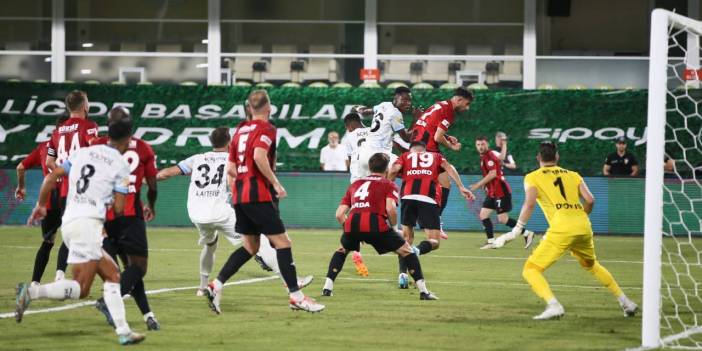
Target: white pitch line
[150,292]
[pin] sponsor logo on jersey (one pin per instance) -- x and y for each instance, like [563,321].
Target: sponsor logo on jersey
[361,205]
[68,129]
[419,172]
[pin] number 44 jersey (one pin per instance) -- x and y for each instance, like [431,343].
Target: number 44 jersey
[207,195]
[94,173]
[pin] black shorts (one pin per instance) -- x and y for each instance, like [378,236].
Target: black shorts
[52,222]
[389,241]
[427,214]
[499,204]
[257,218]
[127,235]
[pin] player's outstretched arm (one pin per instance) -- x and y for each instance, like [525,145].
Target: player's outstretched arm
[586,195]
[453,174]
[487,179]
[394,170]
[605,169]
[391,208]
[341,213]
[118,204]
[168,173]
[261,159]
[441,138]
[530,194]
[20,192]
[151,195]
[51,163]
[49,183]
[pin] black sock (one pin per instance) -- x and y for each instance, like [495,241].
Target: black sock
[287,268]
[235,261]
[444,198]
[415,269]
[129,279]
[487,224]
[403,264]
[424,247]
[61,263]
[41,260]
[139,295]
[336,264]
[513,223]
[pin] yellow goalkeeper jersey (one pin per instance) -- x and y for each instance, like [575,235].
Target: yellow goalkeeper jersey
[559,199]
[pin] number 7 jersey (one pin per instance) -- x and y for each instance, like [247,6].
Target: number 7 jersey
[207,194]
[559,199]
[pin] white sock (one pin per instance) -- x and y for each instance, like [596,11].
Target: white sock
[298,295]
[207,259]
[58,290]
[204,280]
[553,301]
[329,284]
[149,315]
[113,300]
[268,254]
[623,299]
[218,285]
[422,286]
[60,275]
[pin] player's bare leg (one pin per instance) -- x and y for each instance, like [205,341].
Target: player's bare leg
[504,218]
[415,270]
[445,183]
[487,225]
[335,265]
[268,255]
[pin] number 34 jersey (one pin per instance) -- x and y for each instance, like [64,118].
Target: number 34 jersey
[142,164]
[94,173]
[207,194]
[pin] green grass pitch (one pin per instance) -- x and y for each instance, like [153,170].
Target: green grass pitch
[484,303]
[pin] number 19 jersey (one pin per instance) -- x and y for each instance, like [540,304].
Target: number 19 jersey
[559,199]
[94,173]
[207,194]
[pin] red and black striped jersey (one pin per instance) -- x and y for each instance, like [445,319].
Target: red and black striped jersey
[250,185]
[420,176]
[438,116]
[498,187]
[37,158]
[142,164]
[367,199]
[71,135]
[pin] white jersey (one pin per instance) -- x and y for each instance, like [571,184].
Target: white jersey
[352,142]
[208,192]
[94,173]
[387,120]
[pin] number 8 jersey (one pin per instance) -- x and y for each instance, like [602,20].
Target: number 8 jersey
[94,173]
[207,194]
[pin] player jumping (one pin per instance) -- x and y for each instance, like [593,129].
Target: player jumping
[208,206]
[431,128]
[97,174]
[255,194]
[558,192]
[421,197]
[498,197]
[372,202]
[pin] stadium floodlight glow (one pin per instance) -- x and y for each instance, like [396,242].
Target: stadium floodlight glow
[201,65]
[87,45]
[205,41]
[47,59]
[672,302]
[85,71]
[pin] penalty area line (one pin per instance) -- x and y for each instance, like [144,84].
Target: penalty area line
[150,292]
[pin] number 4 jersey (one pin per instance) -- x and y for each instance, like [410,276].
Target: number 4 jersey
[207,195]
[70,136]
[142,163]
[94,173]
[367,199]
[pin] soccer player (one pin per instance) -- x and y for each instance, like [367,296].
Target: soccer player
[498,196]
[356,134]
[98,175]
[126,234]
[558,192]
[74,133]
[431,128]
[208,206]
[372,202]
[421,197]
[500,150]
[255,194]
[54,209]
[387,120]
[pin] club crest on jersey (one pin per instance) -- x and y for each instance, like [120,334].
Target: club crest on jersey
[490,163]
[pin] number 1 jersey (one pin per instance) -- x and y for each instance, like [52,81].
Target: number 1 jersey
[94,173]
[207,194]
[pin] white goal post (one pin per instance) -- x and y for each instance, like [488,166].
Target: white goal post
[672,279]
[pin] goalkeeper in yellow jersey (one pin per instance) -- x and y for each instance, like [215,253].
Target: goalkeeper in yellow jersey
[558,192]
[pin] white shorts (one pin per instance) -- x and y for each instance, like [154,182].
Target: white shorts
[210,231]
[83,237]
[364,155]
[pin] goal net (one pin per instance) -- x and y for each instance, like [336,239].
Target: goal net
[672,294]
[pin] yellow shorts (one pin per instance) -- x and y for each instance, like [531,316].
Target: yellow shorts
[554,245]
